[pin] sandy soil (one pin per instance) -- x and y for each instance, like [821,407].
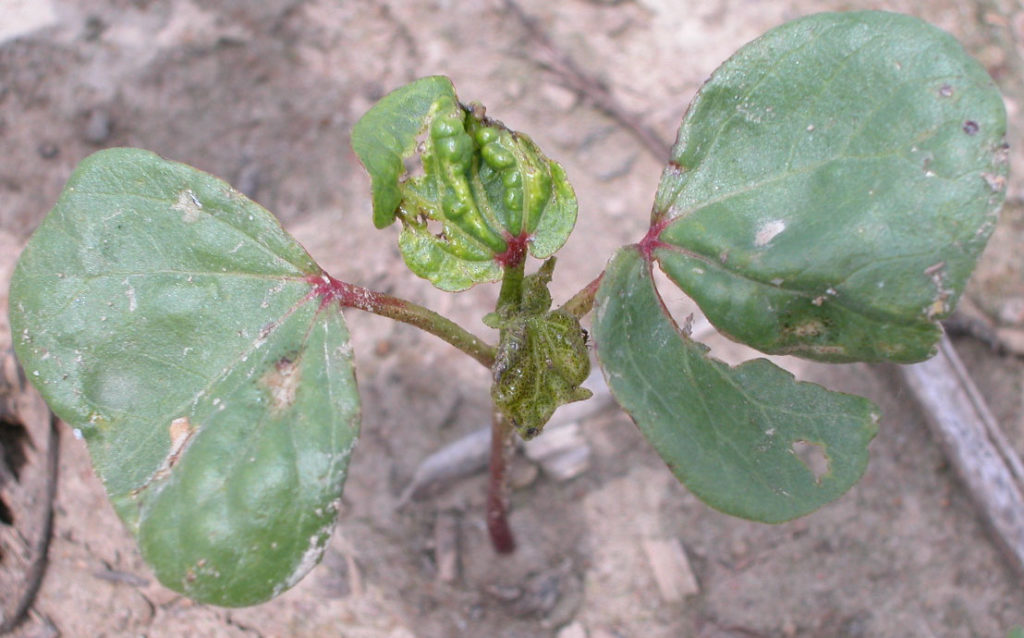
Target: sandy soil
[264,95]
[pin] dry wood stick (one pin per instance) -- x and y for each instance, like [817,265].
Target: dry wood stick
[989,467]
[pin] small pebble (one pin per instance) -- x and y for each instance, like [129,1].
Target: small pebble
[1012,311]
[97,127]
[671,569]
[248,180]
[562,452]
[522,474]
[573,630]
[48,150]
[446,546]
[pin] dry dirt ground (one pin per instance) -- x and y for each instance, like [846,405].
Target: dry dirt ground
[265,94]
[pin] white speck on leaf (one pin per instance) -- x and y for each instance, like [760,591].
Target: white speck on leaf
[130,293]
[940,304]
[317,543]
[768,231]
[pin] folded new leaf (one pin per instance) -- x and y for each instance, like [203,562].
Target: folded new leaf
[471,194]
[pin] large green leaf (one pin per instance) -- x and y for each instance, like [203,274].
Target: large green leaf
[832,186]
[471,194]
[732,435]
[178,328]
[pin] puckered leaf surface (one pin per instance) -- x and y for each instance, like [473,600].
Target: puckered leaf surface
[175,325]
[832,186]
[471,194]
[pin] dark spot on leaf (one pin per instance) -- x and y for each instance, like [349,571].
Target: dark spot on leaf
[971,127]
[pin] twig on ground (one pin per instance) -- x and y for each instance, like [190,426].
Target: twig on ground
[468,455]
[552,59]
[987,464]
[30,499]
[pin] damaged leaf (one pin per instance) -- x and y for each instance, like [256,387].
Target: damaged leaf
[471,194]
[173,323]
[832,186]
[732,435]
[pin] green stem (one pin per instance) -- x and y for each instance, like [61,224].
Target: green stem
[511,295]
[583,302]
[354,296]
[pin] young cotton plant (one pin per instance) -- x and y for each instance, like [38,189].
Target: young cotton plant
[829,192]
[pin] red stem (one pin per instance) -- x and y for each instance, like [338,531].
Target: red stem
[497,489]
[328,289]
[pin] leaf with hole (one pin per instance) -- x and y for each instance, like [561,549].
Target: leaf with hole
[733,436]
[175,325]
[832,186]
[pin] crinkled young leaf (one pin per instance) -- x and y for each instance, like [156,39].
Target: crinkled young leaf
[470,193]
[730,434]
[175,325]
[832,186]
[542,357]
[387,134]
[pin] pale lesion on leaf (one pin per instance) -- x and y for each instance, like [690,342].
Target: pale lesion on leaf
[181,432]
[188,205]
[282,381]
